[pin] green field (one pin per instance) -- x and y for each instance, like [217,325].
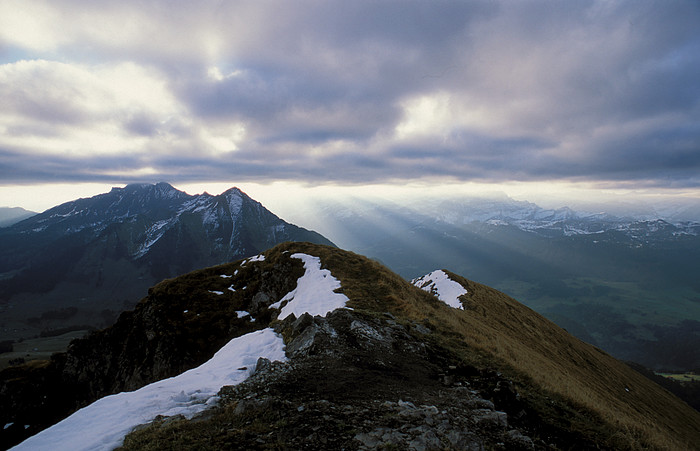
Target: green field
[39,348]
[639,305]
[681,377]
[653,325]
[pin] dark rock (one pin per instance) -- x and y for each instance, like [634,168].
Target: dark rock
[487,418]
[426,440]
[260,301]
[421,329]
[515,440]
[263,364]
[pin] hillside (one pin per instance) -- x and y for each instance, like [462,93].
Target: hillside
[379,363]
[81,263]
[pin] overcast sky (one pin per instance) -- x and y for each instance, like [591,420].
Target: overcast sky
[547,93]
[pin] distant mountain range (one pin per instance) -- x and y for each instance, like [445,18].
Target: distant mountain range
[628,284]
[312,347]
[641,228]
[13,215]
[84,261]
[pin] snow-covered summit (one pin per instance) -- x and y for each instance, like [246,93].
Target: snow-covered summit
[151,212]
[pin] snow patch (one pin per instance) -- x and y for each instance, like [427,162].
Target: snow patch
[231,289]
[153,234]
[216,292]
[235,203]
[439,284]
[314,293]
[103,424]
[257,258]
[206,207]
[224,276]
[241,313]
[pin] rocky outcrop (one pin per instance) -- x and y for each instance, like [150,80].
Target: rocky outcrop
[362,382]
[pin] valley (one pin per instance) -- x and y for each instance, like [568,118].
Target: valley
[41,348]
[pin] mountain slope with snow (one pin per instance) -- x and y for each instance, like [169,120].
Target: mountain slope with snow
[103,424]
[389,366]
[94,255]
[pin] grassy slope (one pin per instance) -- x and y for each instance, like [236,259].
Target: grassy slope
[639,414]
[638,409]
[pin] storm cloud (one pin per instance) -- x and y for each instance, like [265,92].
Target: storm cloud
[350,92]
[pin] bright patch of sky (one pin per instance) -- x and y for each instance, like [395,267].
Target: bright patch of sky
[303,204]
[103,424]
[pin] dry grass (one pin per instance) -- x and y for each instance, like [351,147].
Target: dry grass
[643,413]
[639,413]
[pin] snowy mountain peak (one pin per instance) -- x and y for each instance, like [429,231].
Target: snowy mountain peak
[161,190]
[234,191]
[559,222]
[149,231]
[234,199]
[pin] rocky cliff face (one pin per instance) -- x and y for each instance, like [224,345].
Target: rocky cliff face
[396,367]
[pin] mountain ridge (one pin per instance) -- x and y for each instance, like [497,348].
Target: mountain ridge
[394,357]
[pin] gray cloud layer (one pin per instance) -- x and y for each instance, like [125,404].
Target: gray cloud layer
[350,91]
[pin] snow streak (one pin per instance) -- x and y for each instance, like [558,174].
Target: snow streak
[103,424]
